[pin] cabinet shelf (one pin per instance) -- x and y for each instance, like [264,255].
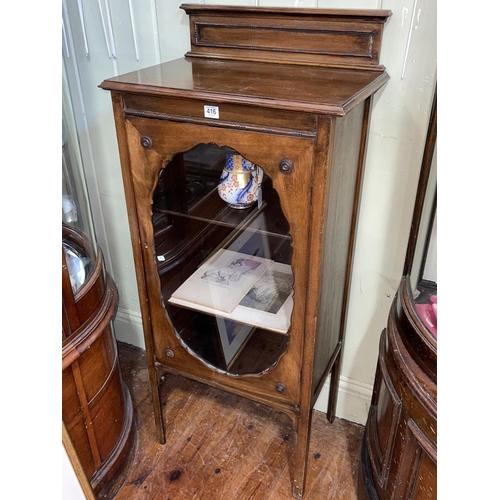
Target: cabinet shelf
[211,209]
[256,291]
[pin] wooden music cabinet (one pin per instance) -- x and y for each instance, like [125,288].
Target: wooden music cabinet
[250,299]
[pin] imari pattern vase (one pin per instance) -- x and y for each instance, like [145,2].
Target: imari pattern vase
[240,182]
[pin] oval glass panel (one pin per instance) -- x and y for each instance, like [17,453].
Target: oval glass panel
[223,251]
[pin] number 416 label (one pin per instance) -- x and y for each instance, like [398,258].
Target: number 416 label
[212,112]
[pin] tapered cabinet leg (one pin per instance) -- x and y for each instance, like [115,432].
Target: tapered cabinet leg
[301,454]
[297,490]
[334,386]
[156,381]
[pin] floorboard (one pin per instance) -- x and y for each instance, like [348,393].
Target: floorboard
[223,447]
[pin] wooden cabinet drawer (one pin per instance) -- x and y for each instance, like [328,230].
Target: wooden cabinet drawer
[230,115]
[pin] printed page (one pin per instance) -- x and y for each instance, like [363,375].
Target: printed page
[268,304]
[222,281]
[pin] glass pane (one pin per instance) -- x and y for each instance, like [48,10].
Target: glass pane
[223,253]
[423,275]
[78,264]
[78,236]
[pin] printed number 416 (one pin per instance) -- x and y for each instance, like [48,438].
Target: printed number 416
[212,112]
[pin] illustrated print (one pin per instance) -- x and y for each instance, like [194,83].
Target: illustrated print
[231,273]
[269,292]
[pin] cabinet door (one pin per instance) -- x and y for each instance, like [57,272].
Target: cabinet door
[226,287]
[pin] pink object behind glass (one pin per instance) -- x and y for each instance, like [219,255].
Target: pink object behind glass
[428,314]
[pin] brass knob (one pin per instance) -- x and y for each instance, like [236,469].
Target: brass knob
[286,165]
[281,388]
[146,142]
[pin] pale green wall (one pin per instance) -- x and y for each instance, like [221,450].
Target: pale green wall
[399,120]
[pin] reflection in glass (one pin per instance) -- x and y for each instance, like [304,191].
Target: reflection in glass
[225,271]
[78,264]
[79,243]
[423,269]
[422,260]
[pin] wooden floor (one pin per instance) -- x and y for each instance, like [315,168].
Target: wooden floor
[222,447]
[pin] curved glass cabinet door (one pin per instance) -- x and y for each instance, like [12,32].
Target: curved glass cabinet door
[223,252]
[80,253]
[421,260]
[78,237]
[423,276]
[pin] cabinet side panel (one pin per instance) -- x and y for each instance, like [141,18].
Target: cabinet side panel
[342,176]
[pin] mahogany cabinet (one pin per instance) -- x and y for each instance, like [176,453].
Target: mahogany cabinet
[399,453]
[98,419]
[250,300]
[96,405]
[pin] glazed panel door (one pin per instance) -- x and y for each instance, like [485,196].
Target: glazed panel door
[185,228]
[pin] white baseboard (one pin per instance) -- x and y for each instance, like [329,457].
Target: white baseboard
[354,397]
[128,328]
[353,400]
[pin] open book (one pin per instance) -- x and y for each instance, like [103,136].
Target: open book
[246,289]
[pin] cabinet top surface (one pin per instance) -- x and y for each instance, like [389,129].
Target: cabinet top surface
[297,87]
[291,11]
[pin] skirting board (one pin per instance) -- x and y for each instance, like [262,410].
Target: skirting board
[353,400]
[128,328]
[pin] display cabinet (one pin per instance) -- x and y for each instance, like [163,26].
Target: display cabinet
[97,413]
[399,453]
[242,166]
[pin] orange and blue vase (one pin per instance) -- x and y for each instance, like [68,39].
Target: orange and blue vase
[240,182]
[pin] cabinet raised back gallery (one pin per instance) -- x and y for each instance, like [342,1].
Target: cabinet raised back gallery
[250,300]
